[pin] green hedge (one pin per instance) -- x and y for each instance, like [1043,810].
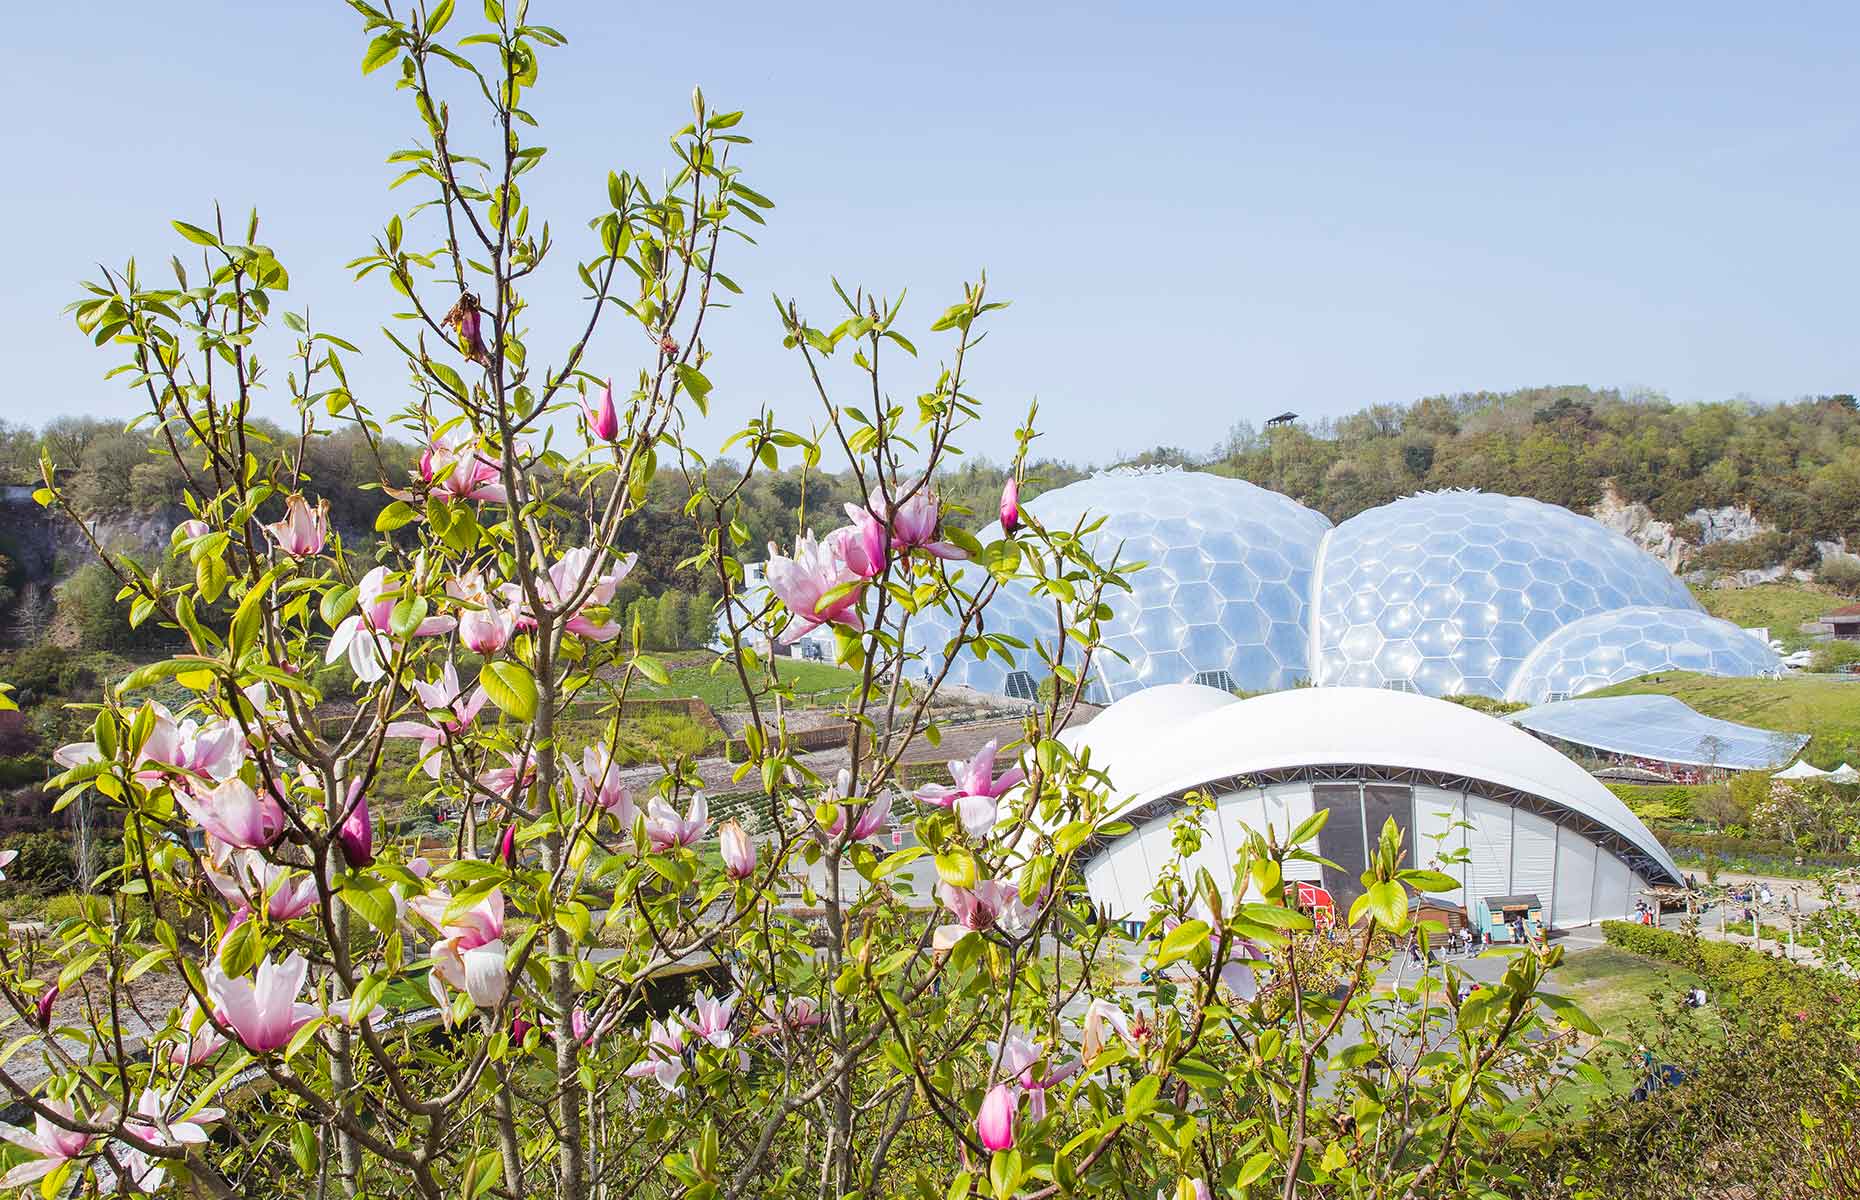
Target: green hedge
[1755,854]
[1755,982]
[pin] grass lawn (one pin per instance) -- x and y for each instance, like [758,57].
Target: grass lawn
[815,683]
[1781,606]
[1826,709]
[1617,990]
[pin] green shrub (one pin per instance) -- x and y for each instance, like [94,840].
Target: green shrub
[66,905]
[34,671]
[1834,656]
[44,863]
[1840,572]
[1486,704]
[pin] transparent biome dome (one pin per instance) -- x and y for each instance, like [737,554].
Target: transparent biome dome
[1223,599]
[1449,592]
[1613,647]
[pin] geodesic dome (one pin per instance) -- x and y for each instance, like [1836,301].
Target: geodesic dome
[1449,592]
[1613,647]
[1223,598]
[1440,593]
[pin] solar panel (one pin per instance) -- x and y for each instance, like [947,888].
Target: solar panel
[1661,728]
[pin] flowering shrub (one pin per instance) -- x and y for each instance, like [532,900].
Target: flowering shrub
[304,1003]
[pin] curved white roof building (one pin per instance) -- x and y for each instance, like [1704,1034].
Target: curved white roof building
[1439,593]
[1529,819]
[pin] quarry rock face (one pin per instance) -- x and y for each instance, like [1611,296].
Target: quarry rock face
[1636,522]
[1731,523]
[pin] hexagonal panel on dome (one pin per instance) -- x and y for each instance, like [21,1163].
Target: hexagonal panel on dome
[1227,586]
[1626,643]
[1511,572]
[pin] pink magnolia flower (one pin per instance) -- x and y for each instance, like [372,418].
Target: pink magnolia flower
[265,1013]
[215,750]
[356,834]
[507,845]
[603,421]
[303,530]
[6,860]
[864,544]
[42,1011]
[801,1012]
[664,1058]
[807,582]
[989,903]
[478,971]
[597,784]
[738,849]
[1024,1060]
[470,952]
[870,819]
[1103,1018]
[712,1022]
[50,1144]
[486,630]
[1010,505]
[365,634]
[476,926]
[578,1024]
[151,1123]
[584,577]
[443,695]
[453,468]
[189,530]
[468,318]
[235,814]
[1241,970]
[513,778]
[485,626]
[977,790]
[286,894]
[914,524]
[199,1040]
[994,1124]
[667,829]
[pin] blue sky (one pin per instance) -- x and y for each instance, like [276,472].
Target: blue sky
[1212,214]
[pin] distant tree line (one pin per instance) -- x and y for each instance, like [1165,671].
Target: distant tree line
[1796,466]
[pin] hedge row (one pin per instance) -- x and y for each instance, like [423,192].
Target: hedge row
[1734,847]
[1740,976]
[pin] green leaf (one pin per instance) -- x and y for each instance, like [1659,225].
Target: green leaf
[652,669]
[695,384]
[336,604]
[379,53]
[1309,827]
[1570,1013]
[510,687]
[1389,902]
[1182,941]
[956,868]
[394,516]
[1254,1168]
[1429,881]
[241,950]
[371,900]
[195,234]
[406,616]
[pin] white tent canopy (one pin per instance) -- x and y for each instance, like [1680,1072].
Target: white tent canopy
[1844,774]
[1802,770]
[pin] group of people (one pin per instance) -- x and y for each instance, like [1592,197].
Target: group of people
[1460,942]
